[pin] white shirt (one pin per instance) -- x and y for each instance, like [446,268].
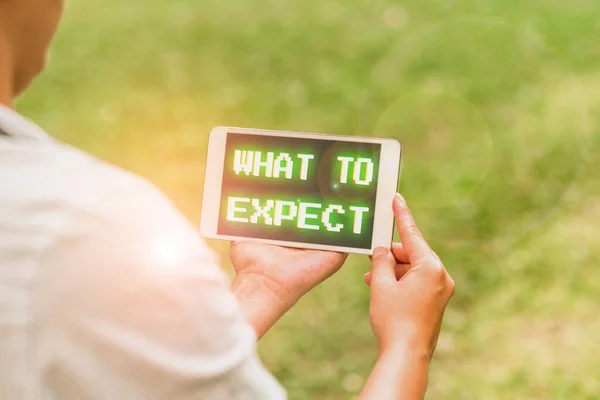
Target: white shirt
[106,291]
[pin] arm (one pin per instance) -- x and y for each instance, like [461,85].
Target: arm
[271,279]
[409,291]
[384,382]
[260,306]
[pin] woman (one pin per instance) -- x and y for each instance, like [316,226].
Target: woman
[107,292]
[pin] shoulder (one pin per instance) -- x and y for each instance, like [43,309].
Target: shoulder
[126,253]
[109,210]
[89,182]
[58,193]
[53,174]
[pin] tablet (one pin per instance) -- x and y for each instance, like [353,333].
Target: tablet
[304,190]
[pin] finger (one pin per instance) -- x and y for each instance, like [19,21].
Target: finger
[400,271]
[398,252]
[323,263]
[318,255]
[413,243]
[383,266]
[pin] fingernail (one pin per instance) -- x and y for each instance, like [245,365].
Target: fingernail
[400,198]
[379,251]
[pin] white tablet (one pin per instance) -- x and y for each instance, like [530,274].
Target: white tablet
[314,191]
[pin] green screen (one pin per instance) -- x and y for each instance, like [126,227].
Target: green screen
[299,189]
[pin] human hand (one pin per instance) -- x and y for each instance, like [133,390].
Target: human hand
[271,279]
[409,289]
[287,272]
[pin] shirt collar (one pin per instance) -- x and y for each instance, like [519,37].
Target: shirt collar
[15,125]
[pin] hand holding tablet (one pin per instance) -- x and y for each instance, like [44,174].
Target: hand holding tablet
[324,192]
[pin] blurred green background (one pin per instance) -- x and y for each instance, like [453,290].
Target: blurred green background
[497,104]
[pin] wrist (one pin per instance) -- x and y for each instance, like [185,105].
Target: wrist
[405,350]
[401,372]
[254,285]
[262,302]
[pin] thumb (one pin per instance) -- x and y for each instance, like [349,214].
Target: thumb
[384,266]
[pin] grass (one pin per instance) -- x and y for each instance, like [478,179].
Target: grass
[496,103]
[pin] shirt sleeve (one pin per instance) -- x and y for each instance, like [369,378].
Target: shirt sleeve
[131,305]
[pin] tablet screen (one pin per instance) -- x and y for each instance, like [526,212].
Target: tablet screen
[299,190]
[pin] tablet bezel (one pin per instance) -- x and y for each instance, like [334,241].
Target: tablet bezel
[387,186]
